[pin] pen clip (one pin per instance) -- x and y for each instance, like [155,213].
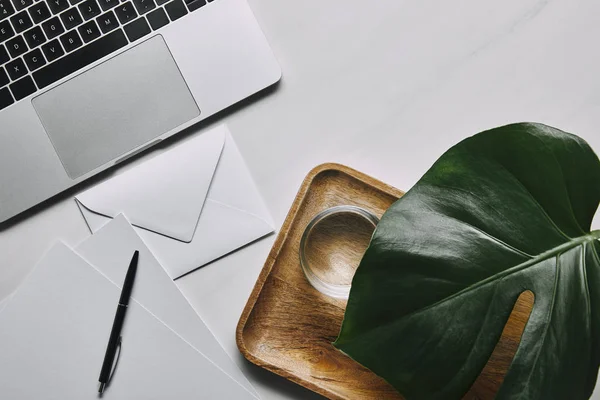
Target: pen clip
[114,368]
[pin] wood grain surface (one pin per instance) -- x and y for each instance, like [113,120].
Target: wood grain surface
[287,326]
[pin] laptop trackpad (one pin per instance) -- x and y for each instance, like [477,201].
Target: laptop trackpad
[116,107]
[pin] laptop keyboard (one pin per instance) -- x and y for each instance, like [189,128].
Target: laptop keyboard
[43,41]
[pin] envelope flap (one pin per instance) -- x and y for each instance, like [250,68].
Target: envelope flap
[165,194]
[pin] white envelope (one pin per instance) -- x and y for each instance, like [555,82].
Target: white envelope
[191,204]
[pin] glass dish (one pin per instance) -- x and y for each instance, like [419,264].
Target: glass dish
[332,246]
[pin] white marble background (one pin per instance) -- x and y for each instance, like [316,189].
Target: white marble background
[384,87]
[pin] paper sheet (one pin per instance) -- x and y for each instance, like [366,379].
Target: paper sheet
[111,248]
[54,335]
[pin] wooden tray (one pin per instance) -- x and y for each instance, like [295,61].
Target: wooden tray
[287,326]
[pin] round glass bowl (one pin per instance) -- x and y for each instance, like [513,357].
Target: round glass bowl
[332,246]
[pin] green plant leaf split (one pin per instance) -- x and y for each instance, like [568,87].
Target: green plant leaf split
[505,211]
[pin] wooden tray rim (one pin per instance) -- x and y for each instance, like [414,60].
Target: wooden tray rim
[274,253]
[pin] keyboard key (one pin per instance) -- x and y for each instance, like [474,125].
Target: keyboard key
[71,18]
[52,28]
[80,58]
[52,50]
[21,21]
[5,98]
[16,46]
[158,19]
[3,77]
[89,9]
[58,6]
[34,37]
[107,22]
[193,5]
[34,59]
[89,31]
[6,31]
[75,2]
[39,12]
[137,29]
[22,4]
[161,2]
[143,6]
[175,9]
[108,4]
[6,9]
[126,13]
[71,41]
[16,69]
[23,88]
[4,57]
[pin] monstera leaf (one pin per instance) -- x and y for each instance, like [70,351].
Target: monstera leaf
[505,211]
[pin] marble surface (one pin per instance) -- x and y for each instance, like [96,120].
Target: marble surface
[384,87]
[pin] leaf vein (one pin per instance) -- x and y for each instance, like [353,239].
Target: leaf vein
[588,301]
[594,250]
[547,323]
[535,201]
[487,234]
[481,330]
[562,175]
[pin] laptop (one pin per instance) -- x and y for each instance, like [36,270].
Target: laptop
[86,84]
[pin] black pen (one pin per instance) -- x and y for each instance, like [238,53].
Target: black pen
[114,342]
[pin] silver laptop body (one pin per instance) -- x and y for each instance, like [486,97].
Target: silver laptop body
[154,79]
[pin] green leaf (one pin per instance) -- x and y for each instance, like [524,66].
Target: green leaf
[502,212]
